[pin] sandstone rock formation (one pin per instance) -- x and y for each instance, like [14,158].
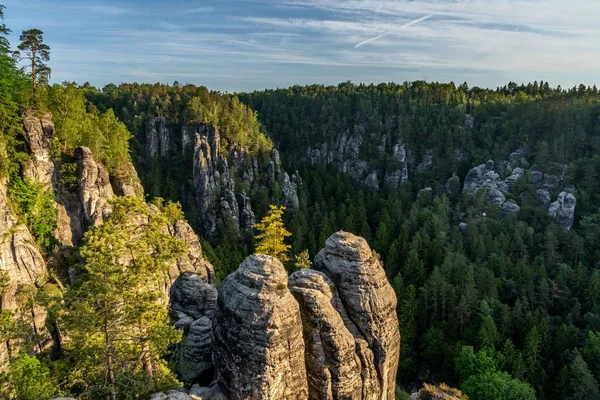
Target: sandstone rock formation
[369,301]
[333,367]
[158,138]
[218,198]
[330,333]
[563,209]
[258,343]
[22,263]
[38,132]
[192,308]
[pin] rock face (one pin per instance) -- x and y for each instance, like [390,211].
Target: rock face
[563,210]
[38,132]
[258,343]
[158,138]
[370,304]
[94,187]
[328,333]
[333,367]
[485,176]
[219,199]
[25,269]
[192,308]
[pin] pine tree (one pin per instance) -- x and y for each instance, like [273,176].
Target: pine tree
[303,260]
[38,53]
[116,317]
[272,233]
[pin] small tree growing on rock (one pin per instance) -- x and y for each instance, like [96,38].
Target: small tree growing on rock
[272,233]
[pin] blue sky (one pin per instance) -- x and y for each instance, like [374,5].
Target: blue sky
[240,45]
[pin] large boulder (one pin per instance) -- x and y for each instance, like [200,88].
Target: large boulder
[563,210]
[257,328]
[369,302]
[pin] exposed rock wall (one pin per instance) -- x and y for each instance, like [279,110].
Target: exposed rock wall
[219,198]
[158,138]
[258,343]
[369,301]
[323,334]
[38,132]
[22,263]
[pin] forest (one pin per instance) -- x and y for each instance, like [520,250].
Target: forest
[506,307]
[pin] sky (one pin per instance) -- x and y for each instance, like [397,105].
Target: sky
[243,45]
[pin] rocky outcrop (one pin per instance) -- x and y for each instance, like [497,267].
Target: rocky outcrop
[396,173]
[22,264]
[38,133]
[328,333]
[563,210]
[194,261]
[333,367]
[192,308]
[485,176]
[370,304]
[257,328]
[289,190]
[158,138]
[219,198]
[94,189]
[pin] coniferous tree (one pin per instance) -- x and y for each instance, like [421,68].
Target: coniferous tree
[115,316]
[38,54]
[271,235]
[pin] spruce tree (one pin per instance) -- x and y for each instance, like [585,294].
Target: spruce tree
[116,317]
[38,54]
[272,233]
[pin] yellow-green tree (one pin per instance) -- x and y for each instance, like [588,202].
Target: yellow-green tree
[272,233]
[303,260]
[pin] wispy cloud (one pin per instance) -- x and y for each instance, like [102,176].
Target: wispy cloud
[403,26]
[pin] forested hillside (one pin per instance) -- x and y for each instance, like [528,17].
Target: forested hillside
[482,206]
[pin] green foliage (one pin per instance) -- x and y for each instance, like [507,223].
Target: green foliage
[271,235]
[302,260]
[33,49]
[78,123]
[68,176]
[29,379]
[35,204]
[115,315]
[237,122]
[482,378]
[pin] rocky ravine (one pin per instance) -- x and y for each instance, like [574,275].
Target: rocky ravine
[223,182]
[79,208]
[328,333]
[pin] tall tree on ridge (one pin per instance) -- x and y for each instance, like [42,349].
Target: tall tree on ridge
[38,53]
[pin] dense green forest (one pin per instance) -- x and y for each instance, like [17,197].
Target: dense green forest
[507,308]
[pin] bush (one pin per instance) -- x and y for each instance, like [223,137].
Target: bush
[35,204]
[68,176]
[29,379]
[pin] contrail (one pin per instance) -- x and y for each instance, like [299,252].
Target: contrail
[416,21]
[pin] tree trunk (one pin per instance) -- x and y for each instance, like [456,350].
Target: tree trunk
[33,72]
[109,360]
[147,360]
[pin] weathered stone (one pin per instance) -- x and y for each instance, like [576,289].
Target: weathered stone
[368,299]
[333,367]
[193,360]
[158,138]
[194,260]
[510,207]
[563,210]
[372,182]
[257,328]
[38,133]
[94,189]
[544,198]
[289,190]
[25,268]
[193,296]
